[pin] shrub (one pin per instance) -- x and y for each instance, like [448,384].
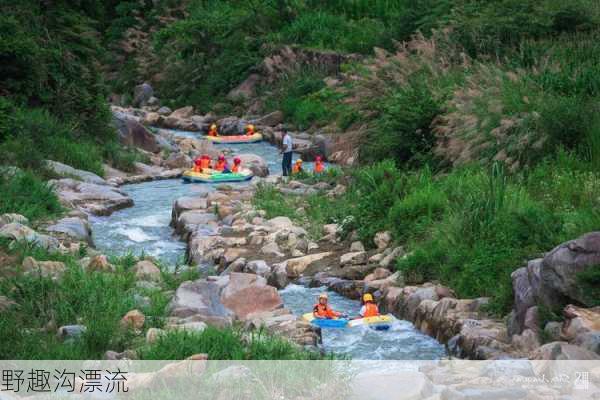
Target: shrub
[403,130]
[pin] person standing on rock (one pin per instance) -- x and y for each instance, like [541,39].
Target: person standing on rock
[286,150]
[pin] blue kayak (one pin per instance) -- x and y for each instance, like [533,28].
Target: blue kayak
[326,323]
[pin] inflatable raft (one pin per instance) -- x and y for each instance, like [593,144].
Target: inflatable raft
[325,323]
[257,137]
[212,176]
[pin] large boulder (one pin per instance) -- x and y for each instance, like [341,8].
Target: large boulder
[52,269]
[563,351]
[353,258]
[188,203]
[11,217]
[147,270]
[231,126]
[398,384]
[142,94]
[246,89]
[295,267]
[22,233]
[134,134]
[74,227]
[382,239]
[247,294]
[560,267]
[178,160]
[188,221]
[89,197]
[183,112]
[524,293]
[67,171]
[254,163]
[200,297]
[272,119]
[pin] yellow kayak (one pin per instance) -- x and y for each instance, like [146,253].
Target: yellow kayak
[213,176]
[378,322]
[257,137]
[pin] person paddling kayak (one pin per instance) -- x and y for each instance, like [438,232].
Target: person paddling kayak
[322,309]
[369,308]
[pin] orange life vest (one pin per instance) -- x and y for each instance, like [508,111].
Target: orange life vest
[220,165]
[296,169]
[324,311]
[249,132]
[205,163]
[319,167]
[371,310]
[235,168]
[213,132]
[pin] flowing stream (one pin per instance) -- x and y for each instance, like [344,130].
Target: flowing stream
[144,229]
[401,342]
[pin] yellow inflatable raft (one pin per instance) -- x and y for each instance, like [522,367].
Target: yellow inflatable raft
[257,137]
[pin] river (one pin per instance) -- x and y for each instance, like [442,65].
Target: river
[144,229]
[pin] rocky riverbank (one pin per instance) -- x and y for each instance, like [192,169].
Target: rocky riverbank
[281,252]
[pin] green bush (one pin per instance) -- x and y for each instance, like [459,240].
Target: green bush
[26,194]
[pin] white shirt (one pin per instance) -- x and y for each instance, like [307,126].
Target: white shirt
[362,311]
[287,143]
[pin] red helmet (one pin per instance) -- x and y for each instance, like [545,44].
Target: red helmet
[221,157]
[237,160]
[318,158]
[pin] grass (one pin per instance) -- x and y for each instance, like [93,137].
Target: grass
[223,344]
[26,194]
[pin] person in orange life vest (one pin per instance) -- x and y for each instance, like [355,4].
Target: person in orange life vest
[205,161]
[213,130]
[221,164]
[297,168]
[319,167]
[250,130]
[236,165]
[322,309]
[198,164]
[369,308]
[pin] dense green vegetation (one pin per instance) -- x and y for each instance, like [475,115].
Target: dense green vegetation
[53,103]
[469,228]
